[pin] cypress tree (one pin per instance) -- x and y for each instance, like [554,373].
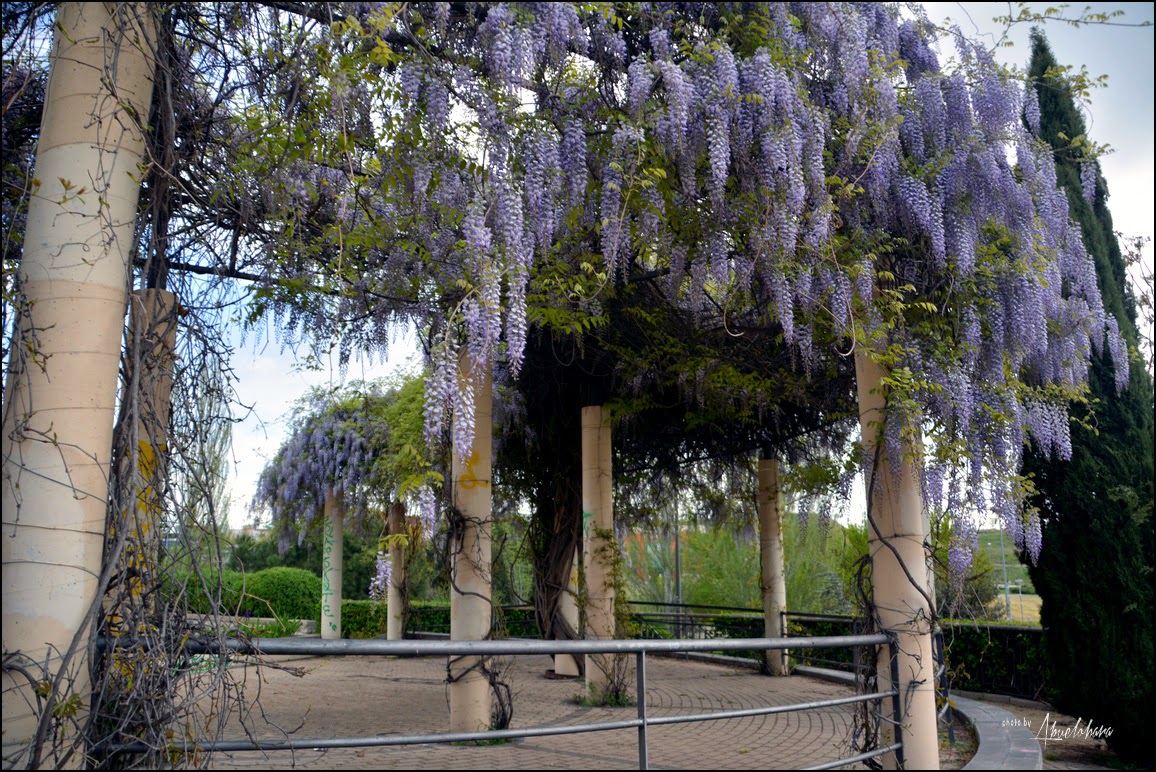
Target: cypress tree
[1094,575]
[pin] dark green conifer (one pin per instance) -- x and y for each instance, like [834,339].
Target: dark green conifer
[1095,572]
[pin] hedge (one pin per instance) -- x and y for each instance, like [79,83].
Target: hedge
[433,617]
[993,659]
[997,659]
[363,618]
[286,593]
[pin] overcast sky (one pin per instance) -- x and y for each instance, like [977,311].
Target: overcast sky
[1120,116]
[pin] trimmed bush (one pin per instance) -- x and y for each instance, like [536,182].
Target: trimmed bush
[434,617]
[363,618]
[518,621]
[428,617]
[287,593]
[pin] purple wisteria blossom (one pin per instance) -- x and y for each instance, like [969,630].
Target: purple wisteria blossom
[802,171]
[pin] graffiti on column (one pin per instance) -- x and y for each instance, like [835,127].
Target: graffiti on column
[327,590]
[470,480]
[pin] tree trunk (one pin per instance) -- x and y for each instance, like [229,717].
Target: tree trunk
[471,532]
[555,529]
[61,390]
[897,535]
[569,664]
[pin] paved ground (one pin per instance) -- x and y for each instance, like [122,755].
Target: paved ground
[347,696]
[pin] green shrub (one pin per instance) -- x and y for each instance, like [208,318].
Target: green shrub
[516,622]
[428,617]
[286,593]
[363,618]
[997,659]
[207,592]
[278,628]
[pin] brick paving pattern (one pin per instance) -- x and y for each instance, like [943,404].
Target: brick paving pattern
[348,696]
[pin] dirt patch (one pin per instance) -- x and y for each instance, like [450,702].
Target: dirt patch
[953,755]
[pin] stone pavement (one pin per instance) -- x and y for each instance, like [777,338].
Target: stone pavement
[348,696]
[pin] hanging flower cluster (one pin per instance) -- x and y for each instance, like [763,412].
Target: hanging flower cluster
[382,576]
[811,164]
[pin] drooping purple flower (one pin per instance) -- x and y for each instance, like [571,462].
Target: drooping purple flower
[660,43]
[915,50]
[1118,348]
[641,80]
[573,162]
[1088,180]
[963,546]
[382,577]
[1032,108]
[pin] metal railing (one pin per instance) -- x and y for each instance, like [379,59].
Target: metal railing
[943,685]
[701,622]
[691,621]
[442,648]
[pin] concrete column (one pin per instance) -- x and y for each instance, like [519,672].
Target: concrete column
[774,580]
[470,591]
[599,545]
[898,520]
[567,664]
[332,567]
[395,598]
[61,390]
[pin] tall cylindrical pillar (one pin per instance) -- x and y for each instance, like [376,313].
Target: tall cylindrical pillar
[332,567]
[395,597]
[470,590]
[60,397]
[897,536]
[599,545]
[774,580]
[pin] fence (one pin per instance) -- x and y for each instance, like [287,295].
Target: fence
[442,648]
[672,620]
[994,659]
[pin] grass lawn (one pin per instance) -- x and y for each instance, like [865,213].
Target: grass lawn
[989,545]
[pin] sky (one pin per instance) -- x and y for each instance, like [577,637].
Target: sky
[1120,116]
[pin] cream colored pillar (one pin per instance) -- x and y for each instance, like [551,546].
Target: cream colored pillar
[897,523]
[470,590]
[771,550]
[599,545]
[332,567]
[395,597]
[567,664]
[61,390]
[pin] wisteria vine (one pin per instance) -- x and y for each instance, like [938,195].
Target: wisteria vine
[810,165]
[338,444]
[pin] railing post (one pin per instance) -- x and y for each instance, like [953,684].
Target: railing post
[944,683]
[643,761]
[896,700]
